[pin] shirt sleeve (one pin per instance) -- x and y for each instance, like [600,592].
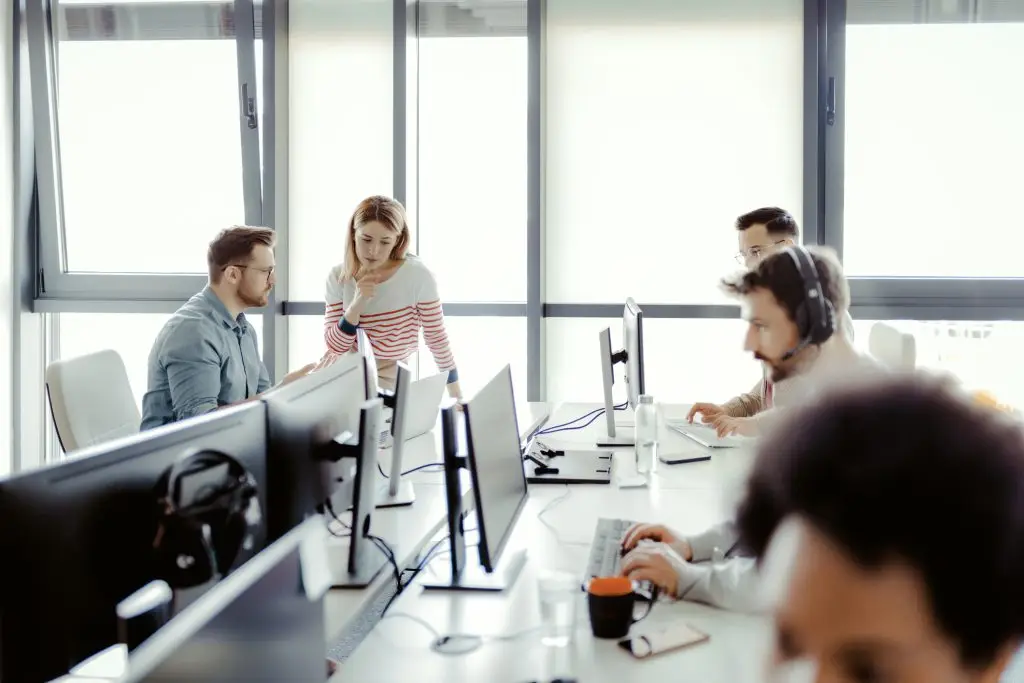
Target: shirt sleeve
[732,584]
[339,334]
[431,315]
[748,404]
[722,536]
[193,369]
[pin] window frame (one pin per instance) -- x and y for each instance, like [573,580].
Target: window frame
[56,288]
[894,297]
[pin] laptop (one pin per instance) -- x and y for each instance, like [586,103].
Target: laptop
[424,404]
[706,435]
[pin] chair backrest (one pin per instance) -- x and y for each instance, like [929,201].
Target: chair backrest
[892,348]
[91,400]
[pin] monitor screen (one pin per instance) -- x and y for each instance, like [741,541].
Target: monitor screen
[259,624]
[83,533]
[303,418]
[495,464]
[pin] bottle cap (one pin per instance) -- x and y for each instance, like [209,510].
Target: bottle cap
[646,399]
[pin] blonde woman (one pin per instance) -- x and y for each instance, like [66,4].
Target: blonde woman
[388,293]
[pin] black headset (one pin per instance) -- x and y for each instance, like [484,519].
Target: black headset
[200,538]
[815,314]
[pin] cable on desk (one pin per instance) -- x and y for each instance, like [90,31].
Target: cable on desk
[329,513]
[458,643]
[383,546]
[547,508]
[571,425]
[410,471]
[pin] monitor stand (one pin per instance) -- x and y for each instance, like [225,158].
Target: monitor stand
[405,495]
[369,563]
[618,441]
[473,577]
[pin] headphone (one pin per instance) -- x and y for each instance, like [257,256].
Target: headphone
[200,538]
[815,314]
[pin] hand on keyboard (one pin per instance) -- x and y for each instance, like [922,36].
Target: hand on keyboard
[658,533]
[657,563]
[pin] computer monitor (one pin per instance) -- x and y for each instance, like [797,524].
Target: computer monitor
[265,622]
[396,492]
[77,537]
[494,460]
[632,356]
[320,460]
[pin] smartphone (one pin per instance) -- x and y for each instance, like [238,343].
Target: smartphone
[655,640]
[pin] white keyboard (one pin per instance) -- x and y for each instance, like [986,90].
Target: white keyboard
[705,435]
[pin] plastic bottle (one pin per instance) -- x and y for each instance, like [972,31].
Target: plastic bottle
[646,439]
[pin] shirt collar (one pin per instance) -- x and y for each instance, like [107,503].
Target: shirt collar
[222,311]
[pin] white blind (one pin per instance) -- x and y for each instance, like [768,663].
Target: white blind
[665,119]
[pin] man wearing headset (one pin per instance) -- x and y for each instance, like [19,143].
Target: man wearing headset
[761,233]
[791,301]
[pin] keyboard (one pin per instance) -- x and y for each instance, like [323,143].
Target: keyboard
[606,550]
[705,435]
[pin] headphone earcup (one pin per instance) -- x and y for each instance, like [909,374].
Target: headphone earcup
[242,523]
[803,323]
[830,323]
[184,555]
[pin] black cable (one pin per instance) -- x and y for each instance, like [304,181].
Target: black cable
[390,555]
[592,419]
[592,415]
[329,509]
[414,469]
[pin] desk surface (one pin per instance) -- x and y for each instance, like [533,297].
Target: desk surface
[689,497]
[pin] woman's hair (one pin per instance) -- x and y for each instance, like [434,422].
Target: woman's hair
[384,210]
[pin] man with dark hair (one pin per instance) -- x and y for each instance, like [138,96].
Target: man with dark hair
[771,296]
[888,524]
[206,355]
[761,232]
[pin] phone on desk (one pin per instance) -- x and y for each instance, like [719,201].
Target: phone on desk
[680,458]
[658,639]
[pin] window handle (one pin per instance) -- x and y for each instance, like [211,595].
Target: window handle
[830,102]
[248,107]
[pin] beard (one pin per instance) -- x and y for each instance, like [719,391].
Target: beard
[253,298]
[778,370]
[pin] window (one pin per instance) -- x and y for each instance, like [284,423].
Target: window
[932,161]
[685,360]
[130,334]
[664,121]
[150,152]
[340,128]
[472,164]
[482,346]
[979,354]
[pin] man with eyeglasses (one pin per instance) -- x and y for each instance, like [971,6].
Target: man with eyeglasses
[762,232]
[206,356]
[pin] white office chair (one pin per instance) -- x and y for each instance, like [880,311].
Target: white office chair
[892,348]
[91,400]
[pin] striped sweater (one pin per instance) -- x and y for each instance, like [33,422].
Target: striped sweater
[403,305]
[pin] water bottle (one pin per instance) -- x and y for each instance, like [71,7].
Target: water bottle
[646,439]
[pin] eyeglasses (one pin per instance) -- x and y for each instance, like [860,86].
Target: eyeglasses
[757,252]
[268,271]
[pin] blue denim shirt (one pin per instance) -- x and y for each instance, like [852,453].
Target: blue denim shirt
[201,360]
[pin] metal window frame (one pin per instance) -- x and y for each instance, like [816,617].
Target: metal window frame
[57,289]
[895,298]
[892,298]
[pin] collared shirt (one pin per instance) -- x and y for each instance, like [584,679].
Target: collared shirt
[202,359]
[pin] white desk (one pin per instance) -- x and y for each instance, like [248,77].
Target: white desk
[406,529]
[690,497]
